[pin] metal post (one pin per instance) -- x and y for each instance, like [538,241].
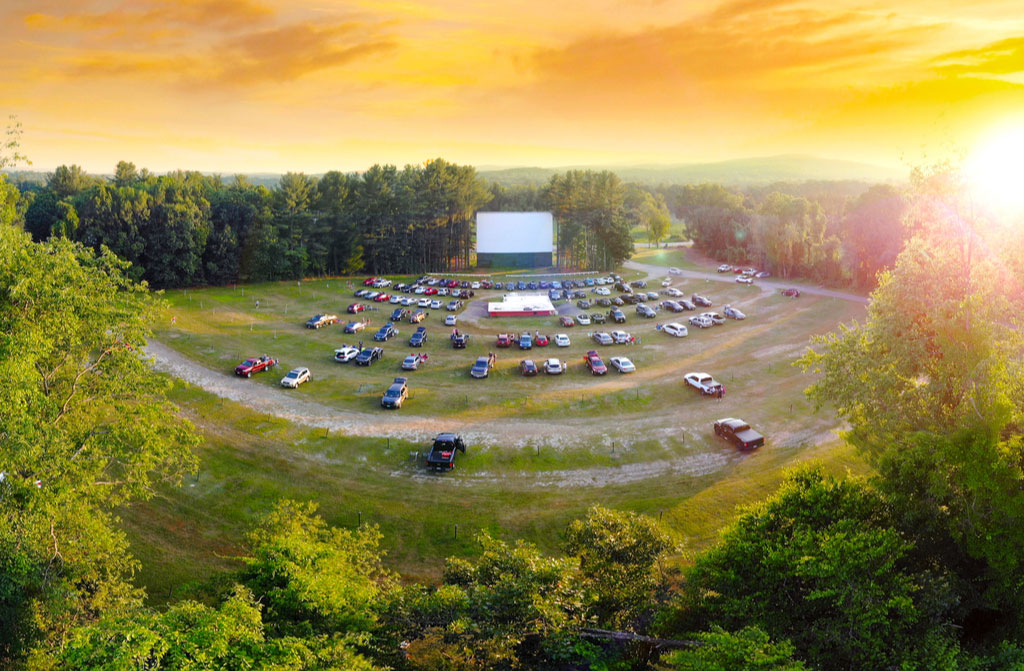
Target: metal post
[456,532]
[359,519]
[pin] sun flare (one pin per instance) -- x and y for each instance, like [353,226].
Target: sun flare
[996,169]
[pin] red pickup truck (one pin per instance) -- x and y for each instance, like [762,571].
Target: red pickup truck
[255,365]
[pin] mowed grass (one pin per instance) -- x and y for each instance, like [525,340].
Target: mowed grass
[248,461]
[639,442]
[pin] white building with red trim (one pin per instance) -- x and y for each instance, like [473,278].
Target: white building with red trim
[522,305]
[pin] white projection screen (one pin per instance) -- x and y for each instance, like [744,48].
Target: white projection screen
[514,232]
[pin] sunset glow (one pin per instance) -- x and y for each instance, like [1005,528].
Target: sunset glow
[995,168]
[261,85]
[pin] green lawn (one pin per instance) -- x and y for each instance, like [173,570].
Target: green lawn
[543,449]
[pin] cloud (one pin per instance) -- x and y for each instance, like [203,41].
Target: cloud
[1005,57]
[143,16]
[203,43]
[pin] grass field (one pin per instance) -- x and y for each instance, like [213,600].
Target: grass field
[542,449]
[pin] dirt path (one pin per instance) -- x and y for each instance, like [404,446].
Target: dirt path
[766,286]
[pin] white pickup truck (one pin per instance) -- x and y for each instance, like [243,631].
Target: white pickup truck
[704,383]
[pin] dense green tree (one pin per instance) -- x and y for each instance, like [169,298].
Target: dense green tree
[190,636]
[620,558]
[125,174]
[176,232]
[10,203]
[593,226]
[85,427]
[822,563]
[67,181]
[42,215]
[116,218]
[315,579]
[749,649]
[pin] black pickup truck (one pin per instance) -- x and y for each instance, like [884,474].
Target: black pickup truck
[739,432]
[442,454]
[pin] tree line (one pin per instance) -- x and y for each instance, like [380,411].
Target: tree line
[188,229]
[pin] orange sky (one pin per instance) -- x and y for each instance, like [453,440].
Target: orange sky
[313,85]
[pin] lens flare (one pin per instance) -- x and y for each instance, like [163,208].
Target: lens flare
[996,170]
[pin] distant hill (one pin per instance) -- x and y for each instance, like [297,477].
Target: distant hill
[737,172]
[760,171]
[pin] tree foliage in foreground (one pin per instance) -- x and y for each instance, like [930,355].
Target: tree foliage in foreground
[85,426]
[822,564]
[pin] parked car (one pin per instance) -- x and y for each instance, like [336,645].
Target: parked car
[295,377]
[738,432]
[413,361]
[319,321]
[792,292]
[345,353]
[687,304]
[385,332]
[622,364]
[459,339]
[704,383]
[604,302]
[504,340]
[618,301]
[639,284]
[369,355]
[435,305]
[255,365]
[672,306]
[583,304]
[602,338]
[527,367]
[745,279]
[453,305]
[583,319]
[673,292]
[732,313]
[621,337]
[561,340]
[481,368]
[592,360]
[700,321]
[675,329]
[645,310]
[419,337]
[598,318]
[356,308]
[525,341]
[715,318]
[442,453]
[702,301]
[451,320]
[399,314]
[566,321]
[396,394]
[417,316]
[554,367]
[762,274]
[423,303]
[724,268]
[674,270]
[541,340]
[382,298]
[617,316]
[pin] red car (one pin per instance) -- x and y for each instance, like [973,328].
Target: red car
[430,292]
[504,340]
[369,281]
[383,298]
[255,365]
[594,363]
[356,307]
[452,284]
[541,340]
[567,321]
[792,292]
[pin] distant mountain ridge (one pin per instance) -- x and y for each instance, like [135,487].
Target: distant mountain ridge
[743,171]
[756,171]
